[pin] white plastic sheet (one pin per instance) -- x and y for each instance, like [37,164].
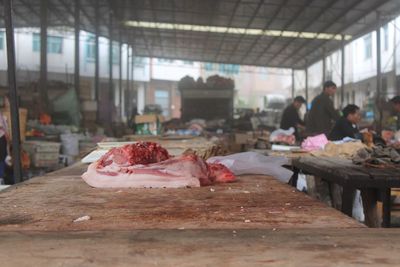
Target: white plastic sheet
[255,163]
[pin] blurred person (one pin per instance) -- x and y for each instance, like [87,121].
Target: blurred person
[291,117]
[396,106]
[3,143]
[322,114]
[346,126]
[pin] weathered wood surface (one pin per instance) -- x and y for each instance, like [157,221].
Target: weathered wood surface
[344,171]
[52,202]
[262,247]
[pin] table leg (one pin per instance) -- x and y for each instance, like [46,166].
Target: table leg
[370,199]
[347,200]
[386,207]
[336,192]
[294,178]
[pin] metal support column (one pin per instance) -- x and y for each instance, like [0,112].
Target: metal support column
[43,57]
[133,68]
[128,76]
[378,73]
[134,91]
[293,84]
[343,73]
[120,75]
[96,66]
[77,40]
[394,58]
[323,66]
[12,88]
[110,68]
[306,89]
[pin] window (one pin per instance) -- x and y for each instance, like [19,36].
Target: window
[36,42]
[138,62]
[385,37]
[90,49]
[115,53]
[367,47]
[162,98]
[229,68]
[209,66]
[165,60]
[54,44]
[329,75]
[1,40]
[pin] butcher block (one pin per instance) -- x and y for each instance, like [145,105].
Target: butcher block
[54,201]
[58,220]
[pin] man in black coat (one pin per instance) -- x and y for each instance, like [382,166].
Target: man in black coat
[322,114]
[290,116]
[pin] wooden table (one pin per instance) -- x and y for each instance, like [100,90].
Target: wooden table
[52,202]
[255,221]
[205,247]
[370,181]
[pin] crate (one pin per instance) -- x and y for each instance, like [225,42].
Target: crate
[45,159]
[42,154]
[33,147]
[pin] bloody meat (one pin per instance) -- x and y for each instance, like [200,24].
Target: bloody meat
[147,164]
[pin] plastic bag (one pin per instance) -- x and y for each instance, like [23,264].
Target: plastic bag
[283,136]
[314,142]
[255,163]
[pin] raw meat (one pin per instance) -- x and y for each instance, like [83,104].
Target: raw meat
[147,164]
[220,173]
[137,153]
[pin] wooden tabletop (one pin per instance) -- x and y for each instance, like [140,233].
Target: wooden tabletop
[250,247]
[52,202]
[344,171]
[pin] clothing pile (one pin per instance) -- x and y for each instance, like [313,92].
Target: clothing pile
[378,157]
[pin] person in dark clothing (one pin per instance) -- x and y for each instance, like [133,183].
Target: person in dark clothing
[396,106]
[290,116]
[346,126]
[322,114]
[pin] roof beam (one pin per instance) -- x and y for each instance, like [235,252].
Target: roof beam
[149,50]
[213,15]
[237,3]
[260,3]
[290,22]
[327,7]
[61,16]
[153,13]
[267,24]
[376,6]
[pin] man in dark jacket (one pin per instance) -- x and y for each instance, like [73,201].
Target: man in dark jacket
[290,116]
[322,114]
[346,126]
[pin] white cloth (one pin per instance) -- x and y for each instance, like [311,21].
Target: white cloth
[255,163]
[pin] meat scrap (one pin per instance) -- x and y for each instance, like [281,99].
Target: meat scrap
[147,164]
